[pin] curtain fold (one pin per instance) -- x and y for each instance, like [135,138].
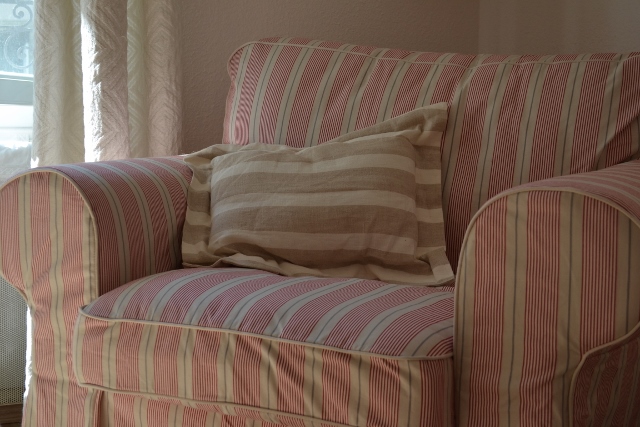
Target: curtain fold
[107,80]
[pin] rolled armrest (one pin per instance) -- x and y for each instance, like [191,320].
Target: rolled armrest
[548,304]
[71,233]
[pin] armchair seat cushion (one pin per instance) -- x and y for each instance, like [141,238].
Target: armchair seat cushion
[272,348]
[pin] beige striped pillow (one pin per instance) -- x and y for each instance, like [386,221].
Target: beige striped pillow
[365,205]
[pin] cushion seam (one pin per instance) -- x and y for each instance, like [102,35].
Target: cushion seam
[352,53]
[226,404]
[449,355]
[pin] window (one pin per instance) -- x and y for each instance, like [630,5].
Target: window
[16,121]
[16,85]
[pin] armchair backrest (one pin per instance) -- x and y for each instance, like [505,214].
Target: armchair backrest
[512,119]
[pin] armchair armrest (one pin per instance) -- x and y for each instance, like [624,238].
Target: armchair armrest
[71,233]
[548,304]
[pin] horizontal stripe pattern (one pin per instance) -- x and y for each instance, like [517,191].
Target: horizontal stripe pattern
[513,119]
[71,233]
[558,259]
[222,339]
[365,205]
[308,310]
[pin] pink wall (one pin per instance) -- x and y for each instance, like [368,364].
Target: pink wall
[212,30]
[558,26]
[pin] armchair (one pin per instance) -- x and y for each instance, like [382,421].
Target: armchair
[540,183]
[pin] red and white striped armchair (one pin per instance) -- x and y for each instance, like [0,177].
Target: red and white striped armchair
[541,192]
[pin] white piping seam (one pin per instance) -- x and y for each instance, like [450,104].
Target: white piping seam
[349,52]
[222,404]
[566,189]
[436,63]
[555,62]
[610,346]
[266,337]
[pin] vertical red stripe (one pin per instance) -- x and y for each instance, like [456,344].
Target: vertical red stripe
[589,116]
[541,309]
[290,377]
[547,121]
[599,274]
[384,393]
[486,354]
[336,386]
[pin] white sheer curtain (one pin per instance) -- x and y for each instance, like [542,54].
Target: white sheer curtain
[107,80]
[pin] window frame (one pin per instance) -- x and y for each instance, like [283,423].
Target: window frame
[16,89]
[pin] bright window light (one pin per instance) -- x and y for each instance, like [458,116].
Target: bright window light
[16,123]
[16,86]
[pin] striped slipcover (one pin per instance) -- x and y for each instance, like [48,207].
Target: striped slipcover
[273,349]
[546,298]
[71,233]
[559,260]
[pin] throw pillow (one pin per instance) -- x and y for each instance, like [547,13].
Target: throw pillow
[365,205]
